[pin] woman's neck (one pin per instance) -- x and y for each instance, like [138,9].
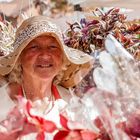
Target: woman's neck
[36,88]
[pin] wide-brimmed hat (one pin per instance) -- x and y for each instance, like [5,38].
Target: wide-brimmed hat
[78,63]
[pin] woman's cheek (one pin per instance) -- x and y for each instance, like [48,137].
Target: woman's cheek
[30,55]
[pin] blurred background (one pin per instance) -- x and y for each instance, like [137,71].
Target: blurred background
[63,11]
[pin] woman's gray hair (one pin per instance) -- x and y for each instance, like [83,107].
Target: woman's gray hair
[16,74]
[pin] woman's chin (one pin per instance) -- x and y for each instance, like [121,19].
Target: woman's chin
[45,76]
[46,73]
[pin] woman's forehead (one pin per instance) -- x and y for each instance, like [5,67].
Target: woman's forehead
[44,38]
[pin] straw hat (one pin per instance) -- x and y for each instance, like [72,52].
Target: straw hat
[78,63]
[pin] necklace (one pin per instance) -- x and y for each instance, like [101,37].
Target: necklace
[24,93]
[45,105]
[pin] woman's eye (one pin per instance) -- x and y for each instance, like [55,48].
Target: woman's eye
[53,46]
[34,47]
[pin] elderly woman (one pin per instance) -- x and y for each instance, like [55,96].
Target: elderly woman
[41,67]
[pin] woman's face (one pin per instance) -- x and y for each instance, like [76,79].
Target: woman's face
[42,57]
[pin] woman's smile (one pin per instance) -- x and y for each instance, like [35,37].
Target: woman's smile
[44,65]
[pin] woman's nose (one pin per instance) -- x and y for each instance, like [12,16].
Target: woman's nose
[45,52]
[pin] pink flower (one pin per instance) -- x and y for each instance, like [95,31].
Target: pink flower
[76,134]
[41,124]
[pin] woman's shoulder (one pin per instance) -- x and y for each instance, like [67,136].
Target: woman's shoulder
[64,93]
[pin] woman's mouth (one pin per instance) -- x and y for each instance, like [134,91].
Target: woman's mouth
[45,65]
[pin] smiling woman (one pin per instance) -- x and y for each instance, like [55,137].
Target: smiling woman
[42,59]
[41,67]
